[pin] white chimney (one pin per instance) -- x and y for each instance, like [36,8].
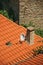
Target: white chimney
[30,35]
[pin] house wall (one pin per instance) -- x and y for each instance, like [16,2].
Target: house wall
[31,10]
[25,11]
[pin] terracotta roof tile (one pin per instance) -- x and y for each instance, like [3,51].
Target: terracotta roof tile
[10,32]
[38,60]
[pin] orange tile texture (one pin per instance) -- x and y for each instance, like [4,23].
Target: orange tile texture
[16,52]
[38,60]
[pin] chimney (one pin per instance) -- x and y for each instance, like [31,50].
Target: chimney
[30,35]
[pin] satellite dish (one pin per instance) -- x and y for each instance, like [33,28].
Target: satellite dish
[22,37]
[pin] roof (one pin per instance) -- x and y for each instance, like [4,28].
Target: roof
[17,51]
[38,60]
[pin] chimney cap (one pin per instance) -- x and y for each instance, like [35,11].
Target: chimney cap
[30,28]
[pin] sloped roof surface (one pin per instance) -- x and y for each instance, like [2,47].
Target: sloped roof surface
[17,51]
[38,60]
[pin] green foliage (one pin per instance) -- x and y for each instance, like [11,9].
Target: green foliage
[27,25]
[8,11]
[38,50]
[31,24]
[11,14]
[39,32]
[4,0]
[4,12]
